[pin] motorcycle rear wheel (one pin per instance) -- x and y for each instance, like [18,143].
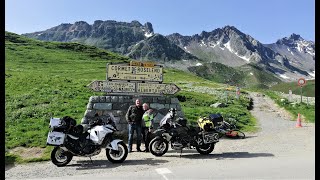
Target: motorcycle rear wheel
[59,157]
[205,149]
[117,156]
[158,146]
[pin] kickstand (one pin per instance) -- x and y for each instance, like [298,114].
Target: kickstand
[180,153]
[91,160]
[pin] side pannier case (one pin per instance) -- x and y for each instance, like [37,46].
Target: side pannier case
[55,138]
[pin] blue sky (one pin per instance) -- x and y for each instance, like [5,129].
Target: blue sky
[265,20]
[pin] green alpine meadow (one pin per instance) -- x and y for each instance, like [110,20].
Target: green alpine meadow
[49,79]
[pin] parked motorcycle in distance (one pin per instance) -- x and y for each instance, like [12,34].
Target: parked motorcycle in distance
[224,128]
[71,140]
[230,130]
[181,136]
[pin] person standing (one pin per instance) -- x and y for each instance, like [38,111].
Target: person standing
[134,118]
[147,125]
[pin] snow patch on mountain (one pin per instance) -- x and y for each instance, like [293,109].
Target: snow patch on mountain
[227,45]
[283,76]
[309,51]
[313,73]
[148,34]
[290,51]
[202,43]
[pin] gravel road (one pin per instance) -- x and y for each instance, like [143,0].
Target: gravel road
[277,138]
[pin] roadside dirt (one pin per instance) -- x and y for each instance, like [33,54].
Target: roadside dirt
[26,153]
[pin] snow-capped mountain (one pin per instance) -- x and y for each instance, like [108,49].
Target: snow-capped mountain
[299,52]
[289,58]
[231,47]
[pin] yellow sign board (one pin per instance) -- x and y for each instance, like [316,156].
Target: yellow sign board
[134,73]
[152,88]
[144,64]
[148,64]
[136,63]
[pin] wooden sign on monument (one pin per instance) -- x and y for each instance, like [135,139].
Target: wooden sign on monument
[134,73]
[142,78]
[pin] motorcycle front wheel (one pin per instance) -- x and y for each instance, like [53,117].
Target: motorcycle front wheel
[205,148]
[117,156]
[158,146]
[59,157]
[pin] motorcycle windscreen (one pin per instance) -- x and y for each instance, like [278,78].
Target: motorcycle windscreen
[166,119]
[98,133]
[54,122]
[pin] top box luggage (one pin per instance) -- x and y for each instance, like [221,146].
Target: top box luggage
[216,119]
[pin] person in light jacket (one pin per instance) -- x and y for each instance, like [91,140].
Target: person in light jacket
[147,124]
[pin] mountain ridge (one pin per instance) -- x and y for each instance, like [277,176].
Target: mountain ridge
[226,45]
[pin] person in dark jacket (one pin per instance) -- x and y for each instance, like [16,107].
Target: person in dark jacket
[134,118]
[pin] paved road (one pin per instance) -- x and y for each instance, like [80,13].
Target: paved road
[248,168]
[278,151]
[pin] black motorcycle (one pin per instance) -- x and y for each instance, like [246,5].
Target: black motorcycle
[71,140]
[179,135]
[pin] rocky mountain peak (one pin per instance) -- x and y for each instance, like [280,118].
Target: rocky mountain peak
[297,43]
[80,26]
[148,27]
[81,23]
[295,37]
[292,39]
[136,23]
[228,27]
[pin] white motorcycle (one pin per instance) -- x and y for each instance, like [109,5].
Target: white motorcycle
[84,140]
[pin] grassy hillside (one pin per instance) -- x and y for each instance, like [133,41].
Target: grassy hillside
[249,76]
[307,90]
[256,77]
[217,72]
[44,79]
[307,111]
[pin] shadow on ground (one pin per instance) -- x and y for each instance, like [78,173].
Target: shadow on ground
[101,164]
[235,138]
[221,156]
[9,166]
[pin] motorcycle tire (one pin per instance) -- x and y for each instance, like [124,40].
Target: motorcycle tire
[59,157]
[205,149]
[154,145]
[117,156]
